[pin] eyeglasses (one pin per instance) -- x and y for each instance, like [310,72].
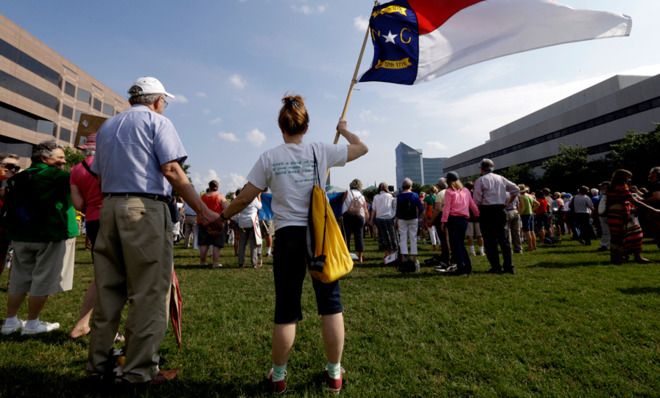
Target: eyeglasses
[11,167]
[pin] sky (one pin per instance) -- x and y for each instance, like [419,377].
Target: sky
[230,62]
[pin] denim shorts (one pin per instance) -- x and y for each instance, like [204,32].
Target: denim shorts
[290,261]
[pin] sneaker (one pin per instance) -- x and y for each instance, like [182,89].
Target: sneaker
[441,266]
[333,385]
[9,329]
[448,270]
[472,252]
[277,387]
[43,327]
[216,266]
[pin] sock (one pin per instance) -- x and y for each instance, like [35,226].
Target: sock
[269,251]
[11,321]
[334,370]
[32,323]
[279,372]
[481,249]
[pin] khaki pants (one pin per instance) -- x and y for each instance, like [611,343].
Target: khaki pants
[133,264]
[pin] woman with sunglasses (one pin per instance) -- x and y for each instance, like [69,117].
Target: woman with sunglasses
[8,168]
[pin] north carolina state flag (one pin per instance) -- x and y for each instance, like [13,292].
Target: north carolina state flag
[419,40]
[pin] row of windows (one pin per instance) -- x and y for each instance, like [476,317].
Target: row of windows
[576,128]
[86,97]
[28,91]
[20,118]
[19,57]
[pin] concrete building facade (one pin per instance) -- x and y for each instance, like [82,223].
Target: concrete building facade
[594,118]
[42,94]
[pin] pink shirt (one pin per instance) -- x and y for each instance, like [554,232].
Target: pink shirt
[459,203]
[89,188]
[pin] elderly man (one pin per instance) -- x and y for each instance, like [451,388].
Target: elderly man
[42,228]
[492,193]
[138,159]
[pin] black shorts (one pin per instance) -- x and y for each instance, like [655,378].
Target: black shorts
[204,238]
[290,261]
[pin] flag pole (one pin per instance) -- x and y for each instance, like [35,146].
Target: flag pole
[354,80]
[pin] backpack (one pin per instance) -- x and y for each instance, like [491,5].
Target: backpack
[356,206]
[21,210]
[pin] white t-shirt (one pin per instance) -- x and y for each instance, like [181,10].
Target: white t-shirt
[384,205]
[247,215]
[288,170]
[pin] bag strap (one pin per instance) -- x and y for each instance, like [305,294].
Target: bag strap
[317,181]
[89,170]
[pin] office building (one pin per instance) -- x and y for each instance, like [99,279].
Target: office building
[42,94]
[594,118]
[410,163]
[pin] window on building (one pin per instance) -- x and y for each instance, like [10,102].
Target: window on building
[65,134]
[76,116]
[84,96]
[28,62]
[26,90]
[108,109]
[69,89]
[97,104]
[67,111]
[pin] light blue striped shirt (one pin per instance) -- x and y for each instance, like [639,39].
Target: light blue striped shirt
[130,149]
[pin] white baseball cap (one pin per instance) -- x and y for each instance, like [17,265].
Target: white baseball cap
[150,85]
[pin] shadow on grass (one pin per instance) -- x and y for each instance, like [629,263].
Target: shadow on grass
[21,382]
[640,290]
[548,264]
[56,337]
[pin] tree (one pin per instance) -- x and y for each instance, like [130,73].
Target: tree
[637,152]
[568,170]
[520,174]
[73,157]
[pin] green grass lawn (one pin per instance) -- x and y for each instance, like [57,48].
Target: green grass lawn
[567,324]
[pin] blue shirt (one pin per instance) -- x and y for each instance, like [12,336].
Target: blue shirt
[130,149]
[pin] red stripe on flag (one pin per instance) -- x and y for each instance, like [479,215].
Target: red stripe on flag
[431,14]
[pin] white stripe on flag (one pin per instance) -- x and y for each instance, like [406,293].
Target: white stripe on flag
[494,28]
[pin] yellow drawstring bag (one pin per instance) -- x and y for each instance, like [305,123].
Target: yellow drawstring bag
[330,259]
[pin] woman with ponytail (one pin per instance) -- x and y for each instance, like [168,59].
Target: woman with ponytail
[288,170]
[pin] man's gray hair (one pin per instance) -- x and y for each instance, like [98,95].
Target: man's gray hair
[442,183]
[44,150]
[137,98]
[407,183]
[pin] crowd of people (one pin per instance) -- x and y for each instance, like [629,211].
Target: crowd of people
[138,202]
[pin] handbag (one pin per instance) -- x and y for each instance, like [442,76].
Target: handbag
[330,259]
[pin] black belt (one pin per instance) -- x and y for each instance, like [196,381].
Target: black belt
[152,196]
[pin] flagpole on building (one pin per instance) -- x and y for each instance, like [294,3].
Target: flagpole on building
[355,75]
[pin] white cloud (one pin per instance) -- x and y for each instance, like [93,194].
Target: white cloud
[370,117]
[256,137]
[362,133]
[432,148]
[237,81]
[235,181]
[307,9]
[178,99]
[201,181]
[201,94]
[216,120]
[361,24]
[230,137]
